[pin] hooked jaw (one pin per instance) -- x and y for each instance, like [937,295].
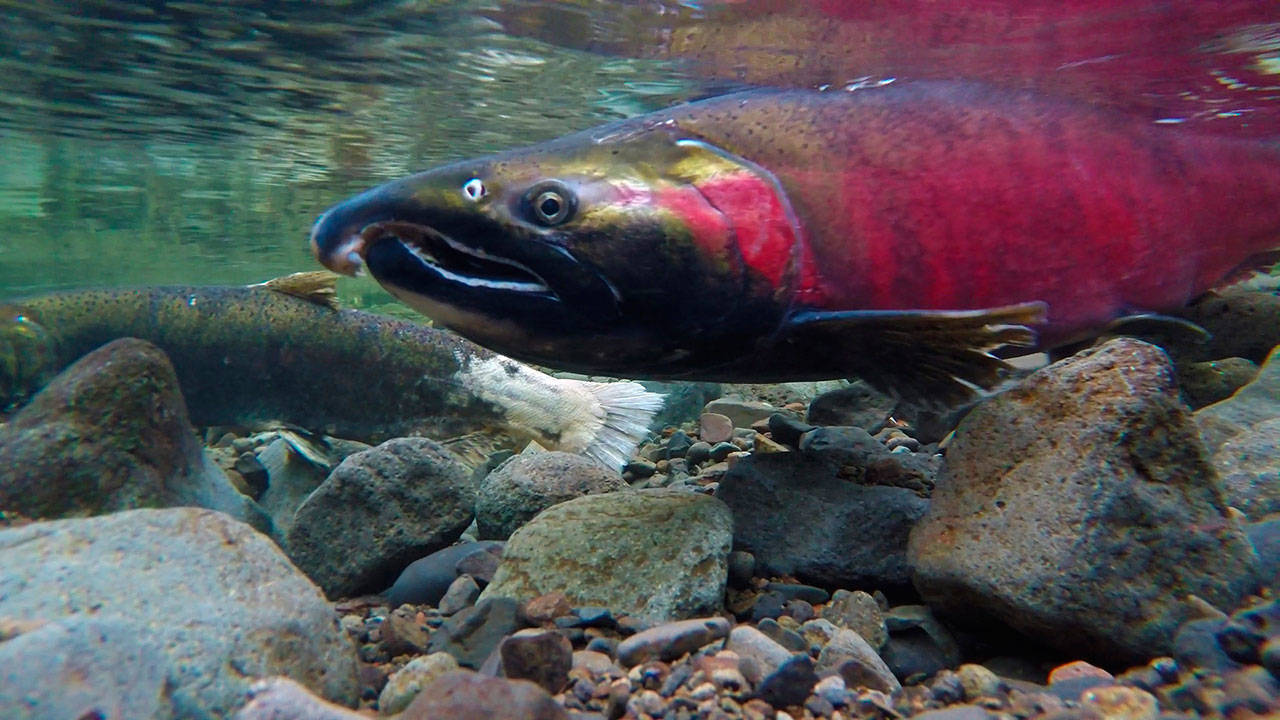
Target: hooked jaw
[423,242]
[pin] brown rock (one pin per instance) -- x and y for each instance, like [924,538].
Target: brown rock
[545,608]
[540,656]
[1077,669]
[714,428]
[463,695]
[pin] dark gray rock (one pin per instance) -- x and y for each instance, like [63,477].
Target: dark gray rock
[1243,322]
[1196,645]
[858,405]
[790,683]
[787,429]
[1080,509]
[170,612]
[1254,403]
[786,637]
[1265,538]
[473,633]
[671,640]
[1249,465]
[656,555]
[1204,383]
[742,567]
[425,580]
[798,516]
[463,695]
[290,479]
[528,483]
[112,433]
[862,459]
[378,511]
[684,401]
[767,605]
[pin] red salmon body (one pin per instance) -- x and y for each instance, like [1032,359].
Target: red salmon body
[952,197]
[900,233]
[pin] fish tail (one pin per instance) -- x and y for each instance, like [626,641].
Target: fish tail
[627,409]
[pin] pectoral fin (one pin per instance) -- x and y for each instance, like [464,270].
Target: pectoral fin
[930,357]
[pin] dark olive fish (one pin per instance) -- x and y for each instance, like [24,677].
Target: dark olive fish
[247,355]
[900,233]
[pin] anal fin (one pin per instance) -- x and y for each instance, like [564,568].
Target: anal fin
[928,357]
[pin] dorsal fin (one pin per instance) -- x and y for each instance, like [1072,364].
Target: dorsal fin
[315,286]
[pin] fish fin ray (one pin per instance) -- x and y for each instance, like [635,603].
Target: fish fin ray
[928,357]
[628,410]
[1160,329]
[316,286]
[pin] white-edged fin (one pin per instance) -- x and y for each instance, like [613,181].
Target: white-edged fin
[604,421]
[628,410]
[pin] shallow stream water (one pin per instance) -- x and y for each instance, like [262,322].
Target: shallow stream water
[186,142]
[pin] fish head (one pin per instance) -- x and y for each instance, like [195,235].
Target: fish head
[616,250]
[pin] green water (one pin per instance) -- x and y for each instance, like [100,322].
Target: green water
[175,143]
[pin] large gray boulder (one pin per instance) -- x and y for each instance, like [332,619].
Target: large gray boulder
[158,614]
[1080,508]
[111,433]
[657,555]
[378,511]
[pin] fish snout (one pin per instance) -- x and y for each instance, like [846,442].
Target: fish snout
[338,245]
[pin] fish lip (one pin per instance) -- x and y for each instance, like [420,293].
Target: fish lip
[440,254]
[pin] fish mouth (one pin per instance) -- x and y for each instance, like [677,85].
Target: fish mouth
[456,262]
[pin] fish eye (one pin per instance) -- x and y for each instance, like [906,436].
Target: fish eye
[474,189]
[550,203]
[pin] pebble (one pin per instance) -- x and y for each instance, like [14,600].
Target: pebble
[741,413]
[851,657]
[793,591]
[721,451]
[640,469]
[461,593]
[465,695]
[403,685]
[750,643]
[787,429]
[978,681]
[859,612]
[671,640]
[541,656]
[742,567]
[790,683]
[1121,703]
[677,445]
[715,428]
[698,453]
[788,638]
[546,608]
